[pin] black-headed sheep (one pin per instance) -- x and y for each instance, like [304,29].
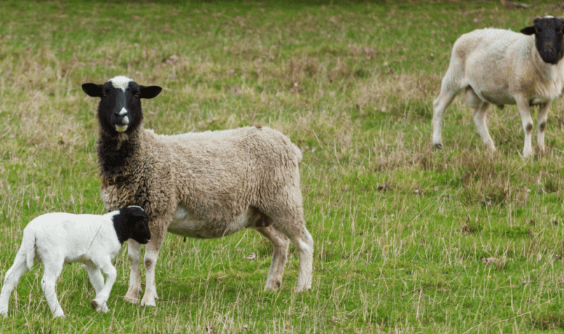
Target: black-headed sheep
[501,67]
[199,185]
[59,238]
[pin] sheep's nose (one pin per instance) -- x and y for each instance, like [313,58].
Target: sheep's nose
[121,113]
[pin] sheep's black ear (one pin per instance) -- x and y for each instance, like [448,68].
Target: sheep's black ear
[528,30]
[93,90]
[150,91]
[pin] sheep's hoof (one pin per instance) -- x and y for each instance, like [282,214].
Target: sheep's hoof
[94,304]
[148,302]
[438,145]
[131,300]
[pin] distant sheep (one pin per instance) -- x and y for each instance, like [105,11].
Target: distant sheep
[59,238]
[199,185]
[501,67]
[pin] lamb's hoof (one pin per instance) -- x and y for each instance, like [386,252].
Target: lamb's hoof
[4,313]
[272,286]
[438,145]
[94,304]
[59,315]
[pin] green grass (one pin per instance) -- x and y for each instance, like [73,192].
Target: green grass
[401,231]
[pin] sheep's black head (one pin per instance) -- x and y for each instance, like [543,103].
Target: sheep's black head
[120,103]
[132,223]
[548,33]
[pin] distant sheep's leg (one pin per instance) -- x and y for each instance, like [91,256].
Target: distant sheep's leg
[479,116]
[448,92]
[525,112]
[51,272]
[11,281]
[134,254]
[543,116]
[151,256]
[280,242]
[99,304]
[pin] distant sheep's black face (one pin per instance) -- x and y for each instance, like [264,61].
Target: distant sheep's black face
[548,35]
[120,105]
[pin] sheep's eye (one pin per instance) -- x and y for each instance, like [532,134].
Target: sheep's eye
[105,94]
[137,95]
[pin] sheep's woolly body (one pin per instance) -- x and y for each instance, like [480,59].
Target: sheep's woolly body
[499,67]
[214,177]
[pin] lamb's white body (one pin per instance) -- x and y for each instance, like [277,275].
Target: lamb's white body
[499,67]
[59,238]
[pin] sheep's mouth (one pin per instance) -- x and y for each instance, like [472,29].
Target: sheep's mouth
[121,128]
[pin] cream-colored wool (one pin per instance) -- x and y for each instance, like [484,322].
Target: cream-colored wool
[499,67]
[208,185]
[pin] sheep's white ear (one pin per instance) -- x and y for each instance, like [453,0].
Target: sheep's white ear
[93,90]
[528,30]
[150,91]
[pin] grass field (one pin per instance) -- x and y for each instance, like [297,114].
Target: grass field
[401,230]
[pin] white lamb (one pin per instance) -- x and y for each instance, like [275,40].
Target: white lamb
[501,67]
[59,238]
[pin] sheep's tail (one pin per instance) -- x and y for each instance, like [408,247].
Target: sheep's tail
[28,245]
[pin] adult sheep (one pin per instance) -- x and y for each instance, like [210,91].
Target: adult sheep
[199,185]
[501,67]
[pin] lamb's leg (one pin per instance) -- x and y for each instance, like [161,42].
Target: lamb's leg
[51,272]
[11,281]
[151,256]
[97,281]
[525,112]
[134,254]
[449,89]
[543,116]
[280,242]
[99,304]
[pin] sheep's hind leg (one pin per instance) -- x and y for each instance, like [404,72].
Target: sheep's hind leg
[51,272]
[287,215]
[448,92]
[151,256]
[543,116]
[134,254]
[280,242]
[11,281]
[479,115]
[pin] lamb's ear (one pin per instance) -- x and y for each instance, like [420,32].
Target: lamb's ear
[528,30]
[150,91]
[93,90]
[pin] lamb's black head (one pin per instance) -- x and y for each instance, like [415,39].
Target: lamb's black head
[548,35]
[120,105]
[132,223]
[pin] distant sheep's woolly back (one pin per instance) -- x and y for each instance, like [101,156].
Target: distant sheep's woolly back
[59,238]
[501,67]
[200,185]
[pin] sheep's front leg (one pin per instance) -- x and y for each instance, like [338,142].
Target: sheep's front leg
[51,272]
[11,281]
[134,254]
[99,304]
[97,281]
[525,112]
[151,256]
[543,116]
